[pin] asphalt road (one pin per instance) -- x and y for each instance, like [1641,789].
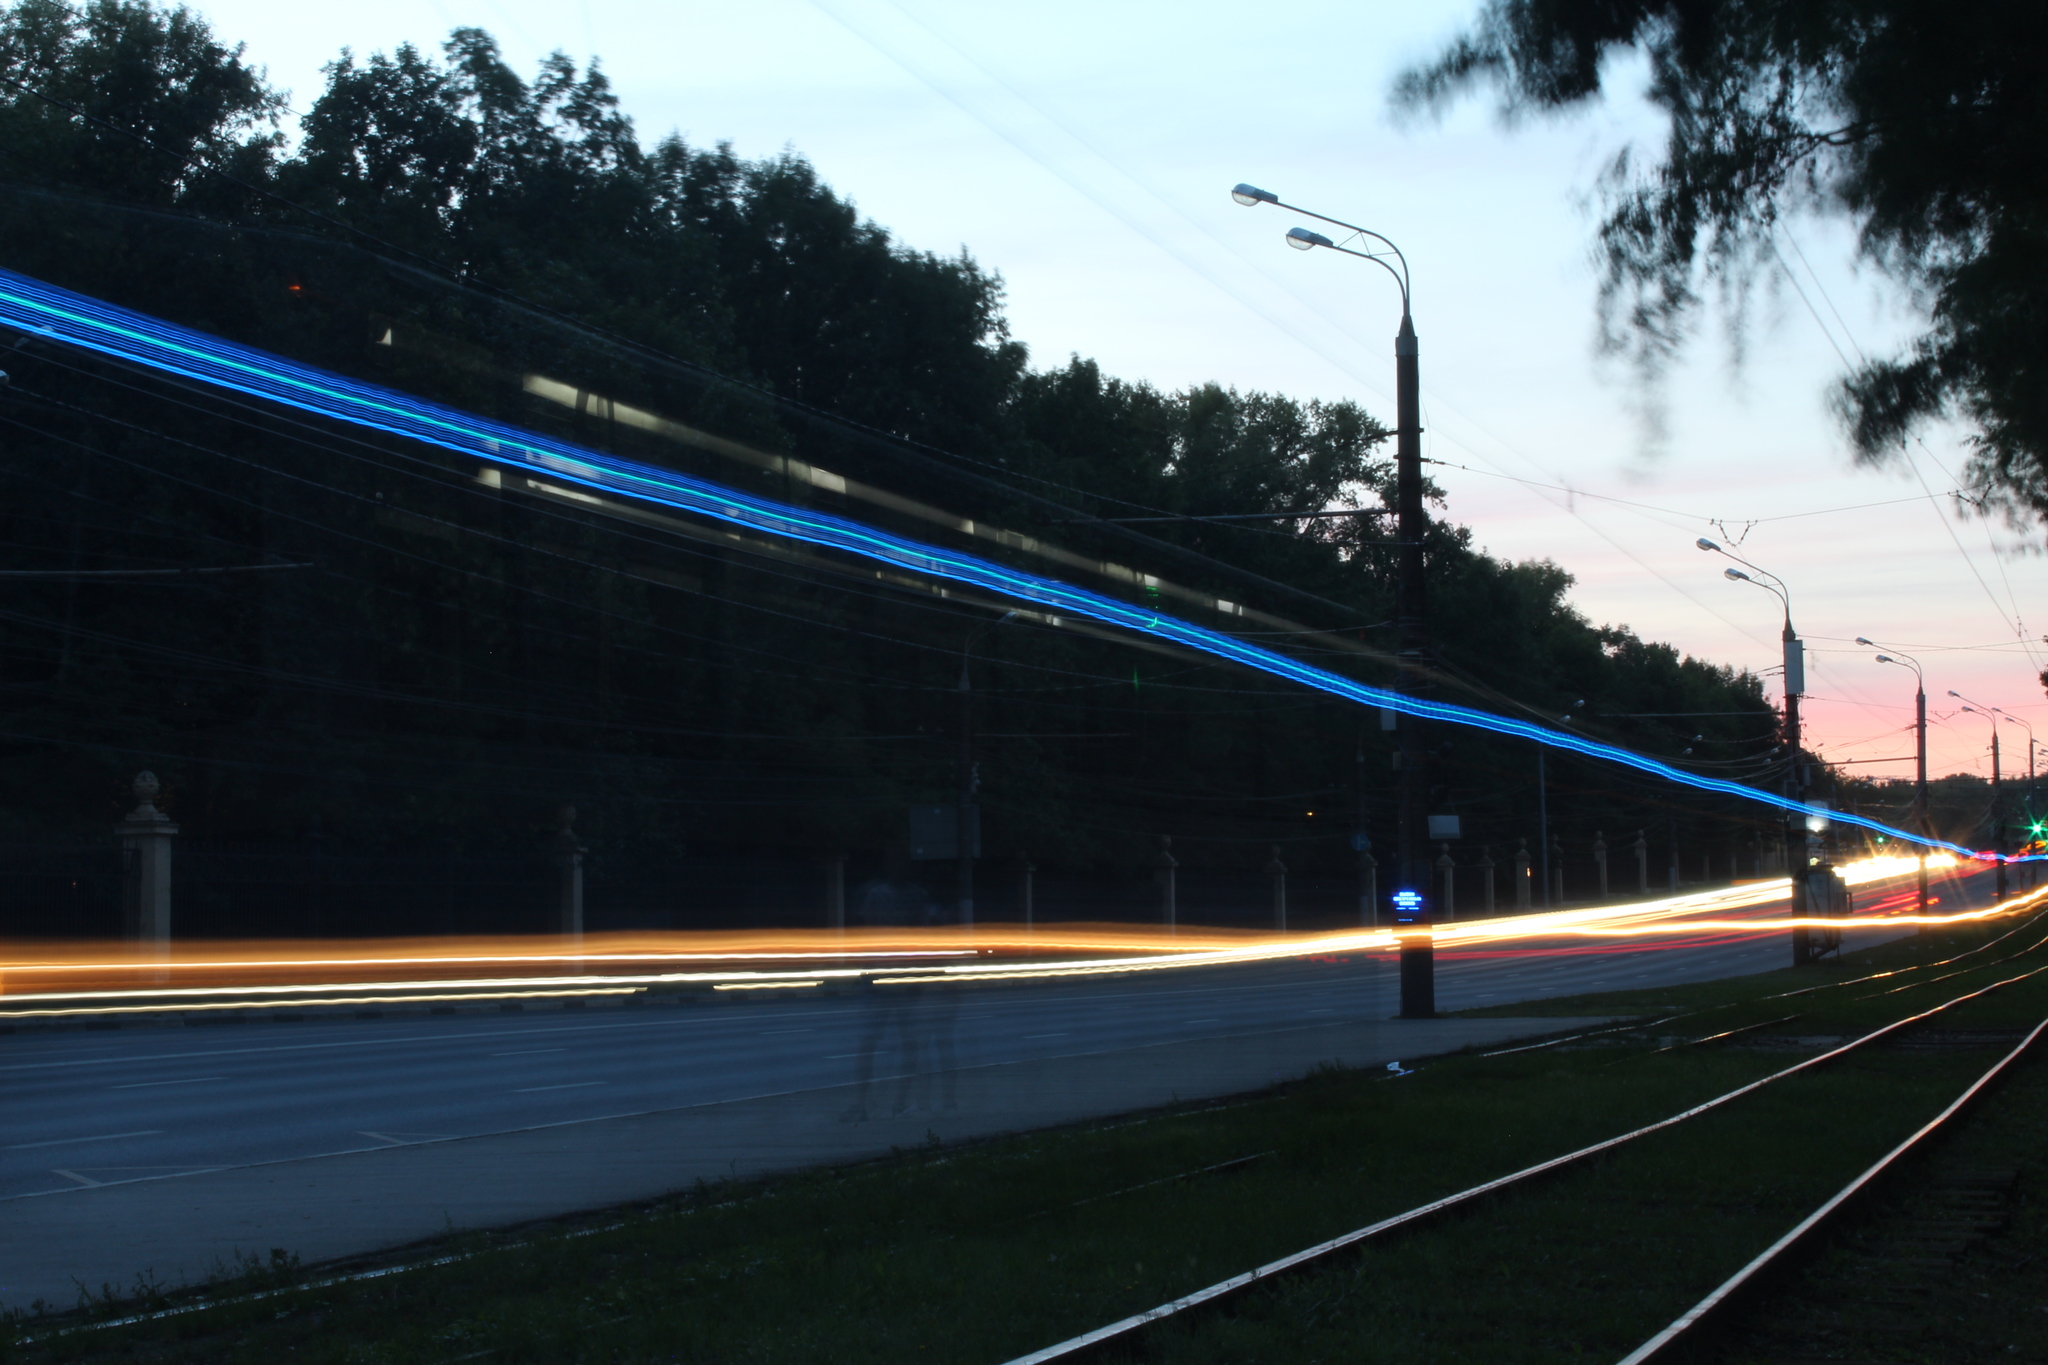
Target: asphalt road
[96,1108]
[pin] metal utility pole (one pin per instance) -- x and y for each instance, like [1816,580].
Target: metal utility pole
[1997,817]
[964,821]
[1992,713]
[1418,953]
[1798,862]
[1920,820]
[1411,860]
[1921,825]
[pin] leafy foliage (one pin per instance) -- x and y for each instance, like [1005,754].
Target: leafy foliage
[1925,124]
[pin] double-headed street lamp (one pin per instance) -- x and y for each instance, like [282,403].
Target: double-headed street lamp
[1994,715]
[1412,875]
[1920,824]
[1797,861]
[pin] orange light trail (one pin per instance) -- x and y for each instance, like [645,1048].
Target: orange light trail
[91,979]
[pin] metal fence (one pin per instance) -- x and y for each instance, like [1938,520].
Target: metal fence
[310,889]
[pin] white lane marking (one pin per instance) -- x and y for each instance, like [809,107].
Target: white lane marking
[96,1137]
[437,1038]
[1029,1036]
[573,1085]
[529,1052]
[404,1139]
[778,1032]
[145,1085]
[453,1037]
[88,1181]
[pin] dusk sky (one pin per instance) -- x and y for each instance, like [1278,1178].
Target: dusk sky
[1087,152]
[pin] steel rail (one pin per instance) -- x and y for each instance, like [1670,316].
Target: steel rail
[1746,1279]
[1075,1348]
[2029,922]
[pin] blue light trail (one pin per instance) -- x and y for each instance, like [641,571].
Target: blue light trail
[73,319]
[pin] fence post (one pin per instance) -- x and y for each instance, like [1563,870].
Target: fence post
[1448,871]
[1674,855]
[1642,864]
[835,893]
[1029,868]
[1486,876]
[1522,875]
[1556,872]
[1276,873]
[1600,860]
[1368,890]
[1163,869]
[569,887]
[146,864]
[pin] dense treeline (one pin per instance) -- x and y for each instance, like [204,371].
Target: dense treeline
[458,653]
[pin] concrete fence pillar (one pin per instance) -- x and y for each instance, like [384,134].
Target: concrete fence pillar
[569,878]
[1447,876]
[1276,875]
[1556,872]
[1028,870]
[1368,890]
[1522,875]
[835,893]
[1163,867]
[146,871]
[1600,860]
[1486,878]
[1642,864]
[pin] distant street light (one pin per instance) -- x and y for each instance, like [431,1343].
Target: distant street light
[1997,796]
[1905,660]
[1411,870]
[1798,861]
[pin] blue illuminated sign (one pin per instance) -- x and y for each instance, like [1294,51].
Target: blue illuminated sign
[1407,906]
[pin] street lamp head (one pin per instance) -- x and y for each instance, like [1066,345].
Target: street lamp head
[1953,693]
[1737,574]
[1706,544]
[1872,643]
[1252,195]
[1301,239]
[1883,658]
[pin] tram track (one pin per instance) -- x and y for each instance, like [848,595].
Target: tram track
[1769,1266]
[1127,1330]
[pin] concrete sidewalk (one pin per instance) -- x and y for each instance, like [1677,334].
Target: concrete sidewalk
[178,1231]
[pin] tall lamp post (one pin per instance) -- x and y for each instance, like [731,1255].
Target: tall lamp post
[1998,889]
[1905,660]
[1412,875]
[963,814]
[1798,862]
